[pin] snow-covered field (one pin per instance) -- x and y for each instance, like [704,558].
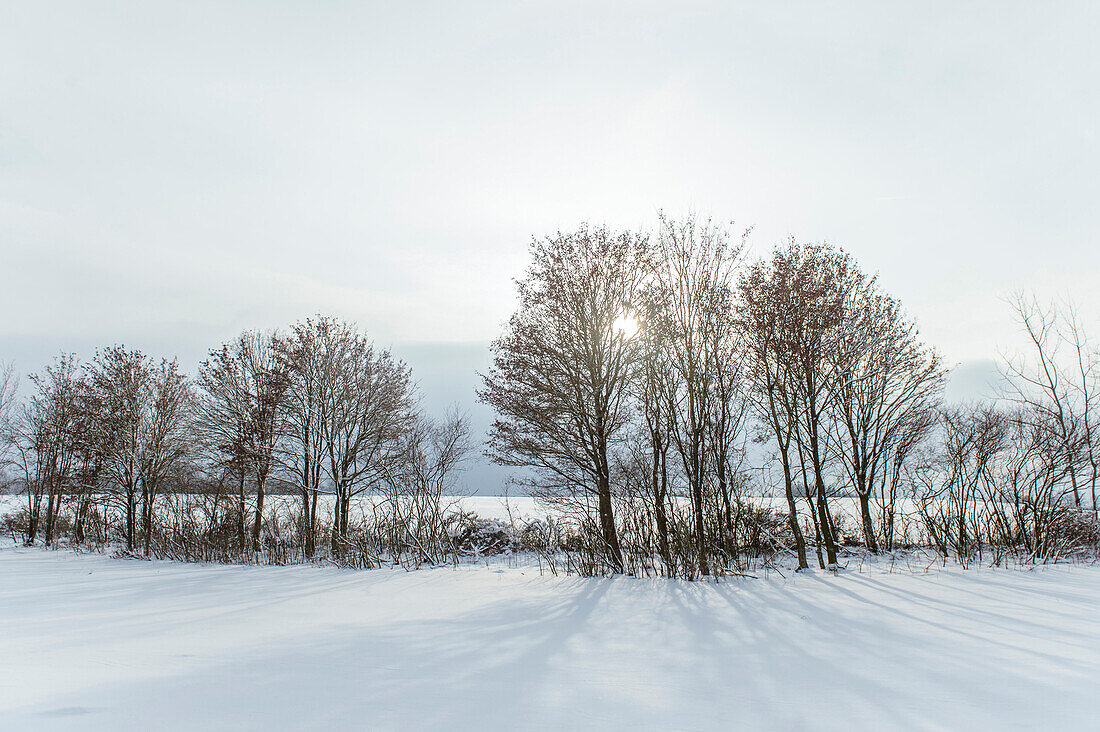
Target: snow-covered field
[504,508]
[91,642]
[498,507]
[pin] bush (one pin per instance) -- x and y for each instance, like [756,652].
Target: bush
[472,535]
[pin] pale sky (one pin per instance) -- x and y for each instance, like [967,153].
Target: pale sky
[173,173]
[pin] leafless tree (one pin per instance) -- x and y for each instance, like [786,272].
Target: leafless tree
[431,457]
[824,283]
[655,388]
[267,380]
[303,448]
[909,441]
[803,295]
[761,310]
[1060,379]
[693,278]
[561,371]
[45,443]
[1029,497]
[1085,379]
[9,389]
[138,420]
[244,384]
[120,380]
[885,378]
[729,415]
[165,436]
[951,481]
[88,462]
[223,415]
[367,404]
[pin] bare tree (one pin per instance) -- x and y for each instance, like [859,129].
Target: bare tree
[88,461]
[244,385]
[223,414]
[884,378]
[1028,496]
[1085,388]
[431,457]
[1060,385]
[367,405]
[45,443]
[9,389]
[267,380]
[803,297]
[693,278]
[120,381]
[303,448]
[165,438]
[729,413]
[655,388]
[909,440]
[761,309]
[561,371]
[951,481]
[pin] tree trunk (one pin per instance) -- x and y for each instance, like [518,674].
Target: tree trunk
[824,519]
[607,525]
[257,522]
[50,519]
[888,530]
[81,516]
[868,524]
[311,537]
[240,512]
[131,516]
[810,501]
[147,497]
[34,511]
[660,487]
[792,508]
[337,515]
[697,500]
[345,507]
[304,523]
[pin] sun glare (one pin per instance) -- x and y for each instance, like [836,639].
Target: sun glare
[626,325]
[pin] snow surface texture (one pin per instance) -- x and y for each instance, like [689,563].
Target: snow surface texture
[91,642]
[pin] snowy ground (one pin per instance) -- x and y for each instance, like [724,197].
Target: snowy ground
[90,642]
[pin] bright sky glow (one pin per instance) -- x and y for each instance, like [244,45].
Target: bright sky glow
[173,173]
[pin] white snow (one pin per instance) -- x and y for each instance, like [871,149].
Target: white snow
[521,508]
[91,642]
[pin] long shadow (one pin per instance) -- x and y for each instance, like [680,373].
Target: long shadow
[370,674]
[810,652]
[986,613]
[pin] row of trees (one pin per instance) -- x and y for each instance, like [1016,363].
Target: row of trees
[1016,475]
[639,374]
[656,391]
[317,410]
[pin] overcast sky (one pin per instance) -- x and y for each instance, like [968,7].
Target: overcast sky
[173,173]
